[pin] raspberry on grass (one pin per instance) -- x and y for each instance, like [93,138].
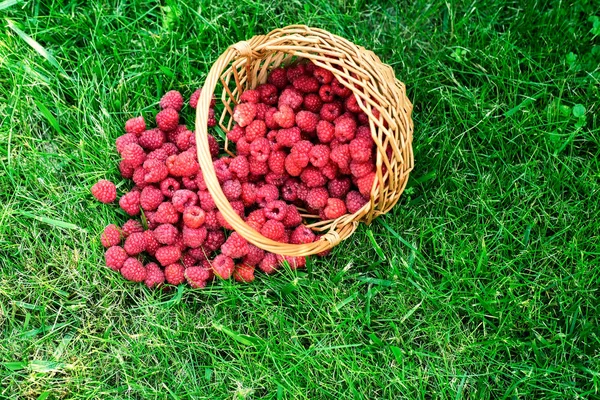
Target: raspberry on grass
[172,99]
[223,266]
[193,217]
[167,120]
[293,262]
[132,226]
[250,96]
[114,257]
[151,243]
[155,171]
[165,234]
[152,139]
[138,178]
[133,154]
[254,256]
[317,198]
[133,270]
[184,198]
[126,170]
[166,214]
[268,94]
[155,277]
[105,191]
[319,155]
[355,201]
[291,98]
[302,235]
[244,113]
[244,273]
[150,198]
[312,102]
[194,237]
[135,243]
[111,236]
[269,264]
[284,117]
[124,140]
[197,277]
[130,203]
[174,274]
[335,208]
[278,78]
[135,125]
[273,229]
[168,255]
[169,186]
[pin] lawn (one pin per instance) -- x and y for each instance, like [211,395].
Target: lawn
[481,283]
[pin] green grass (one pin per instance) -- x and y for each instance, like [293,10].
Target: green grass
[482,283]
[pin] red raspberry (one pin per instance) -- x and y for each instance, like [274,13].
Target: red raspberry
[330,111]
[154,171]
[222,170]
[250,96]
[223,266]
[167,120]
[261,111]
[302,191]
[135,243]
[269,264]
[115,256]
[326,94]
[155,277]
[291,98]
[275,179]
[194,237]
[206,201]
[243,147]
[335,208]
[166,214]
[165,234]
[124,140]
[170,148]
[272,229]
[317,198]
[235,246]
[312,102]
[341,155]
[133,270]
[292,217]
[236,133]
[256,219]
[172,99]
[248,196]
[130,203]
[277,162]
[200,184]
[330,171]
[150,219]
[232,189]
[195,96]
[111,236]
[359,170]
[288,137]
[351,104]
[213,146]
[135,126]
[345,129]
[150,198]
[184,164]
[138,178]
[184,198]
[319,155]
[363,118]
[260,149]
[196,277]
[258,168]
[189,182]
[132,226]
[302,235]
[211,221]
[168,255]
[174,274]
[133,154]
[364,132]
[151,243]
[361,149]
[339,187]
[266,194]
[302,147]
[152,139]
[278,78]
[244,114]
[284,117]
[126,170]
[193,217]
[158,154]
[185,139]
[269,118]
[339,89]
[254,256]
[312,177]
[268,94]
[307,121]
[240,167]
[325,131]
[323,76]
[169,186]
[105,191]
[214,240]
[255,130]
[306,84]
[295,71]
[365,184]
[293,262]
[276,210]
[244,273]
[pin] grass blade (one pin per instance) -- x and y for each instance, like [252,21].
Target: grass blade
[35,45]
[51,119]
[239,337]
[8,3]
[53,222]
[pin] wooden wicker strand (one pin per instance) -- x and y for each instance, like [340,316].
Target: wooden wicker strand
[246,64]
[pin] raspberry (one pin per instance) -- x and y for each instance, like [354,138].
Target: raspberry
[307,121]
[126,170]
[302,191]
[351,104]
[306,84]
[154,171]
[312,177]
[335,208]
[200,184]
[184,198]
[355,201]
[193,217]
[236,133]
[278,78]
[295,163]
[135,125]
[194,237]
[330,170]
[272,229]
[261,111]
[345,129]
[206,201]
[317,198]
[260,149]
[214,240]
[248,196]
[105,191]
[130,203]
[288,137]
[189,182]
[165,234]
[309,68]
[266,194]
[132,226]
[114,257]
[133,270]
[232,189]
[275,179]
[339,89]
[338,188]
[268,94]
[223,223]
[169,186]
[293,262]
[365,184]
[244,114]
[259,168]
[158,154]
[284,117]
[276,210]
[341,155]
[111,236]
[254,256]
[361,149]
[312,102]
[211,222]
[269,118]
[243,147]
[244,273]
[250,96]
[196,277]
[235,246]
[276,162]
[213,146]
[150,219]
[255,130]
[154,275]
[256,219]
[302,235]
[167,120]
[168,255]
[166,214]
[152,139]
[174,274]
[172,99]
[138,178]
[291,98]
[319,155]
[133,154]
[323,76]
[151,243]
[269,264]
[222,170]
[194,99]
[363,118]
[359,170]
[325,131]
[150,198]
[124,140]
[292,217]
[364,132]
[326,94]
[185,139]
[330,111]
[223,266]
[184,164]
[295,71]
[135,243]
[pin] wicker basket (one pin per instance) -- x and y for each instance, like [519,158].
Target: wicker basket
[246,64]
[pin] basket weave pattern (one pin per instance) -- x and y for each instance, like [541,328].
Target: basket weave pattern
[247,64]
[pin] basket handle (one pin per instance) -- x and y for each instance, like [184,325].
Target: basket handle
[326,242]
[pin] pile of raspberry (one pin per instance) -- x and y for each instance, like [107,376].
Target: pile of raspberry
[302,145]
